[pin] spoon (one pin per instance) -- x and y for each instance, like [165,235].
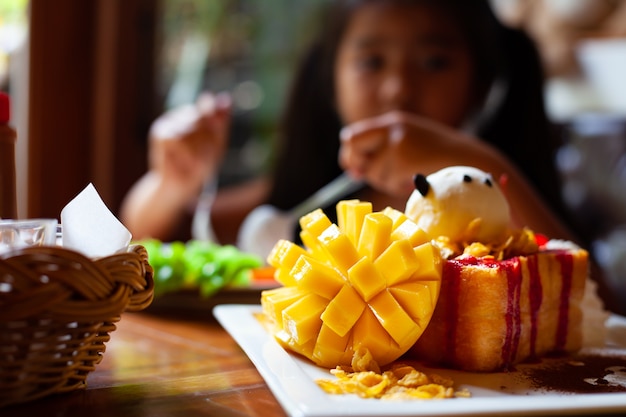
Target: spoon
[201,223]
[266,224]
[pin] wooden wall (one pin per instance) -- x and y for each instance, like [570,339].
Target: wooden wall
[91,99]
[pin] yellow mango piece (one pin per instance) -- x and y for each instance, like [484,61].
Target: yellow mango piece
[350,215]
[375,233]
[370,334]
[314,276]
[315,222]
[283,338]
[397,263]
[275,300]
[288,343]
[366,279]
[395,320]
[284,252]
[396,216]
[330,348]
[339,248]
[341,212]
[416,298]
[313,225]
[314,246]
[409,230]
[343,310]
[283,257]
[430,262]
[301,320]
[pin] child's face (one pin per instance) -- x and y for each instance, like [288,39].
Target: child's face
[409,58]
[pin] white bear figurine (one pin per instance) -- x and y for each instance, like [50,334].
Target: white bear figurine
[462,203]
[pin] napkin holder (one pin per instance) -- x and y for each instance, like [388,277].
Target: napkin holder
[57,311]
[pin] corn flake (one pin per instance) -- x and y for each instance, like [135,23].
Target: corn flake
[518,243]
[399,382]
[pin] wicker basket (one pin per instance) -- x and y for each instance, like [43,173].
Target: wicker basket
[57,309]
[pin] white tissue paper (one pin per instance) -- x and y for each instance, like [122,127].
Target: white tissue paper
[90,228]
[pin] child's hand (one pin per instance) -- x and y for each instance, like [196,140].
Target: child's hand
[187,143]
[388,150]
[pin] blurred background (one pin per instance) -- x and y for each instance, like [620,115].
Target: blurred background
[87,78]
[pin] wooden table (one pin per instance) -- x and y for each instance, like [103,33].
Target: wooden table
[166,361]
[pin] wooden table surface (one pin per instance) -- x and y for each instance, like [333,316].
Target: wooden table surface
[166,361]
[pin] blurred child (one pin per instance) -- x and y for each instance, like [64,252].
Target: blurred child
[389,89]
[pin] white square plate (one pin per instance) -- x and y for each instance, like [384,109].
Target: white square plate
[292,381]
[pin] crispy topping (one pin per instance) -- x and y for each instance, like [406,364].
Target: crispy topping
[399,382]
[518,243]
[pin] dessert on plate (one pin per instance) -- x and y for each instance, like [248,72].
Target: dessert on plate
[507,295]
[448,281]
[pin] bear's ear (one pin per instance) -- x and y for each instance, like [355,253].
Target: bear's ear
[421,184]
